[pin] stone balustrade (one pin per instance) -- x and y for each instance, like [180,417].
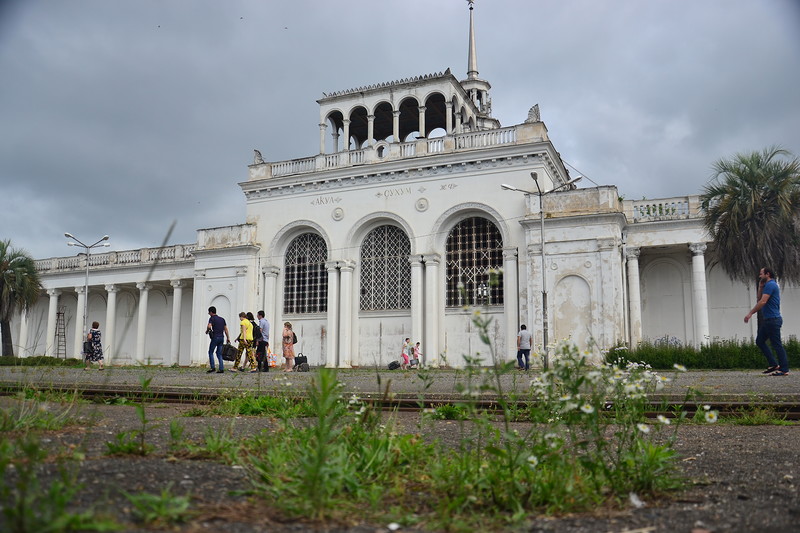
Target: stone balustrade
[521,133]
[677,208]
[143,256]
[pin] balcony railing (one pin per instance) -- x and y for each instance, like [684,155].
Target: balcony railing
[678,208]
[144,256]
[452,143]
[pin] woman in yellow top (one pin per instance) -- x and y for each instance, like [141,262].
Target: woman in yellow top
[245,344]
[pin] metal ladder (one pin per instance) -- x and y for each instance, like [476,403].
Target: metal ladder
[61,333]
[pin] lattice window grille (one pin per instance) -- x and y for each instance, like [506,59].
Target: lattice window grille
[306,278]
[385,270]
[474,247]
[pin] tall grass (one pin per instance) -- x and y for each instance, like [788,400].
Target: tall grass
[590,445]
[725,354]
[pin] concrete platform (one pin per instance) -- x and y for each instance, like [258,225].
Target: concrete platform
[715,385]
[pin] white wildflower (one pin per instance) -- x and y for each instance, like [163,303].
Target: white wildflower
[644,428]
[711,416]
[533,461]
[679,368]
[586,408]
[663,419]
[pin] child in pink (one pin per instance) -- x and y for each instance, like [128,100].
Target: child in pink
[417,355]
[404,354]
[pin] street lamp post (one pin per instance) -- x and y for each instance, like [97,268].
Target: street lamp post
[88,249]
[540,194]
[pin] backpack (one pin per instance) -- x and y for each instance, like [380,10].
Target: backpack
[257,336]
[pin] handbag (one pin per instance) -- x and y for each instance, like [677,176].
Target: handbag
[87,347]
[229,352]
[294,338]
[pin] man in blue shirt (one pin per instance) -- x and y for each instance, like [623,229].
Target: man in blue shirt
[263,343]
[218,331]
[769,328]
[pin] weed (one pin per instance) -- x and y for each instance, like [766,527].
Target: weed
[448,411]
[27,415]
[160,509]
[757,416]
[133,442]
[30,506]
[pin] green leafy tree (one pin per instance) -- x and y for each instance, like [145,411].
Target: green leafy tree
[19,288]
[752,212]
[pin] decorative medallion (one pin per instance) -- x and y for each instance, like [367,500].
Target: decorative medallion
[337,214]
[421,204]
[588,264]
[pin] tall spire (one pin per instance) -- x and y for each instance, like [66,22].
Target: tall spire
[472,62]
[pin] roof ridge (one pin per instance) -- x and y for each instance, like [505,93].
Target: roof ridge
[382,85]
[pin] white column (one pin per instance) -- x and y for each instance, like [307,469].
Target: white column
[370,130]
[79,333]
[141,338]
[243,294]
[332,340]
[175,341]
[430,348]
[634,295]
[269,305]
[422,121]
[200,303]
[396,126]
[417,299]
[52,317]
[111,324]
[448,121]
[511,299]
[23,334]
[699,293]
[346,135]
[322,128]
[346,356]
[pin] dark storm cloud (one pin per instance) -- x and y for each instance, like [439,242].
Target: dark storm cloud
[120,117]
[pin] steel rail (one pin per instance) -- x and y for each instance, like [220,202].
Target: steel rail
[668,406]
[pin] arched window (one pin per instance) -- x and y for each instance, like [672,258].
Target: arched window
[385,270]
[474,247]
[305,288]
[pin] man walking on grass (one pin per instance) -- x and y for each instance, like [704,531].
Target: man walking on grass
[769,328]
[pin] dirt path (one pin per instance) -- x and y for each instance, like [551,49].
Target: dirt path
[742,478]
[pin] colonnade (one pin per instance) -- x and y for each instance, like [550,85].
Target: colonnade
[699,294]
[110,326]
[453,124]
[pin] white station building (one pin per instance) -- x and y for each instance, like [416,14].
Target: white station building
[392,231]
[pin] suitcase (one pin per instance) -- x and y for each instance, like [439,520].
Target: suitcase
[229,352]
[394,365]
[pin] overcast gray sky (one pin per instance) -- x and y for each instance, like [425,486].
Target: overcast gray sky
[119,116]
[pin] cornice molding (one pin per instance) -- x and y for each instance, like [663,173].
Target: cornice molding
[408,170]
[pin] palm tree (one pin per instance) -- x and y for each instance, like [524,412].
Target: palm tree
[19,288]
[752,212]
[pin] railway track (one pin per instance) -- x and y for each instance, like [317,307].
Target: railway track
[726,405]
